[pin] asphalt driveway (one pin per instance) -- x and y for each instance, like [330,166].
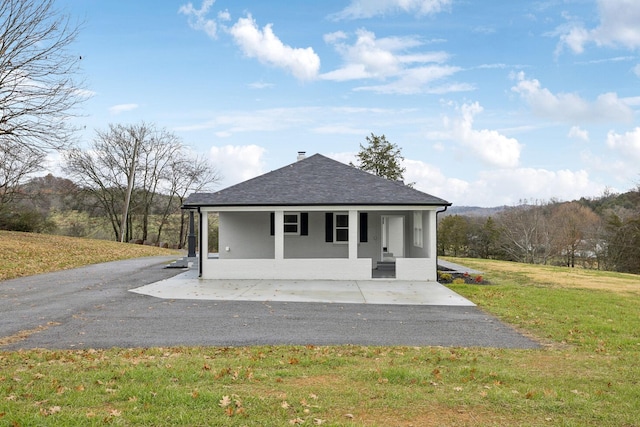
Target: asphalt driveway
[91,307]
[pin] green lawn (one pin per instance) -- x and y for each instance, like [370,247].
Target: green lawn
[586,373]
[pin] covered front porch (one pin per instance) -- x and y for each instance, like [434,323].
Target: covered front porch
[321,243]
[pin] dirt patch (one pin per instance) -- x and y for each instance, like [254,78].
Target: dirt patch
[434,415]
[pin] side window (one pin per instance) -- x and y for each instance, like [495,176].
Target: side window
[341,227]
[417,229]
[292,223]
[295,223]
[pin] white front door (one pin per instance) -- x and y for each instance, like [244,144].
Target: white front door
[392,237]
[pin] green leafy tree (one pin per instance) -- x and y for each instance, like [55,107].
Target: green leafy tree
[382,158]
[484,236]
[453,236]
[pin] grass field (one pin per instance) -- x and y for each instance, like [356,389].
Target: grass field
[23,254]
[586,374]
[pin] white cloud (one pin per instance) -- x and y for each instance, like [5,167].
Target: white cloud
[495,187]
[578,133]
[53,163]
[121,108]
[636,70]
[490,146]
[418,80]
[340,130]
[265,46]
[370,8]
[267,120]
[506,187]
[570,106]
[627,145]
[389,60]
[197,17]
[501,186]
[237,163]
[261,85]
[224,15]
[431,180]
[618,27]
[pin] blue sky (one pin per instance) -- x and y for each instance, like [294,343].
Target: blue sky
[491,102]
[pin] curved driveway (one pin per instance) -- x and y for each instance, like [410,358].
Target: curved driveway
[91,307]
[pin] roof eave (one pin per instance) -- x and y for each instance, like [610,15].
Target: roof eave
[267,205]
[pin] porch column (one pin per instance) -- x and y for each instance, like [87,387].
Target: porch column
[191,244]
[353,234]
[278,223]
[204,239]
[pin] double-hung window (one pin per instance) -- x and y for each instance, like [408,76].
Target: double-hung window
[292,223]
[341,227]
[295,223]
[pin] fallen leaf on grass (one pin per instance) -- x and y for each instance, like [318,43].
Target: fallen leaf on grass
[225,401]
[296,421]
[52,410]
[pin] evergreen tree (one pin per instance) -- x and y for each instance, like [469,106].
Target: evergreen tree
[382,158]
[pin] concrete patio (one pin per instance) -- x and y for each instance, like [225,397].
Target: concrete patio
[187,285]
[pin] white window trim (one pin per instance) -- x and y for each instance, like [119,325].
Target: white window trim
[418,234]
[336,228]
[297,224]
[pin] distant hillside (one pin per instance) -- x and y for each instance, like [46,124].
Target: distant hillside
[474,211]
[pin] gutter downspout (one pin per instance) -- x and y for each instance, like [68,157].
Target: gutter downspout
[201,260]
[437,212]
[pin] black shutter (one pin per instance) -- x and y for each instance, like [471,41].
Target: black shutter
[272,224]
[364,227]
[304,223]
[328,229]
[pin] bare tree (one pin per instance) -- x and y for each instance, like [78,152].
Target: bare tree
[189,174]
[572,225]
[37,88]
[156,157]
[525,234]
[16,164]
[153,161]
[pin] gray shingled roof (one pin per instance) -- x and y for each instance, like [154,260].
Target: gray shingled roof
[316,180]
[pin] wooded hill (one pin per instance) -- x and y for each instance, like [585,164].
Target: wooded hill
[601,233]
[56,205]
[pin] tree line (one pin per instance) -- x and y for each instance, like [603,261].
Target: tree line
[600,233]
[131,180]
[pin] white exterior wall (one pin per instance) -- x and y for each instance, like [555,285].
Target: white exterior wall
[314,245]
[288,269]
[421,263]
[246,235]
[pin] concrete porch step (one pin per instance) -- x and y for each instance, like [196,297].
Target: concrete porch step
[386,265]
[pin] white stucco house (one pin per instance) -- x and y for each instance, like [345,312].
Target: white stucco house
[318,219]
